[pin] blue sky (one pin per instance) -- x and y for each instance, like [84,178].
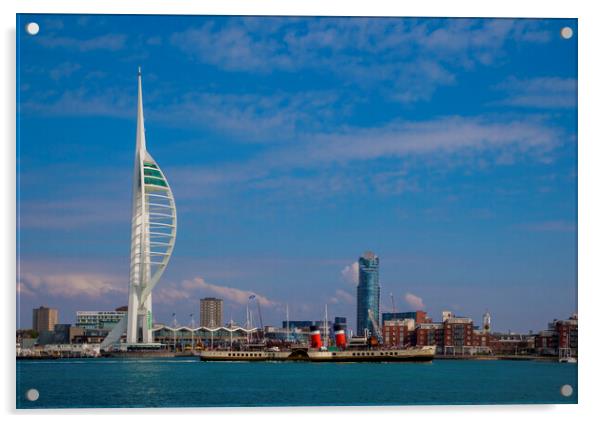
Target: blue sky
[292,145]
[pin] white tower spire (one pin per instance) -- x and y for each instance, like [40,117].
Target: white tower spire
[153,233]
[140,135]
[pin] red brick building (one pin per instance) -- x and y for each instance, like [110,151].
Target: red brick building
[481,338]
[512,344]
[560,338]
[430,334]
[457,335]
[399,333]
[546,342]
[421,317]
[567,331]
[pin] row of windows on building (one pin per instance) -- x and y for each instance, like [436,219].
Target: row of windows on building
[460,335]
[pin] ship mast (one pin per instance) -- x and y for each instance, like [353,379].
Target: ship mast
[287,325]
[326,324]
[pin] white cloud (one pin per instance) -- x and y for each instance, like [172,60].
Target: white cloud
[350,273]
[111,42]
[252,117]
[411,58]
[168,294]
[231,47]
[71,213]
[439,137]
[414,301]
[340,163]
[22,289]
[154,41]
[552,226]
[541,92]
[330,159]
[342,297]
[191,287]
[64,70]
[82,102]
[288,43]
[51,24]
[91,285]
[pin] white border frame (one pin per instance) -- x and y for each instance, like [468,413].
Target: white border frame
[590,210]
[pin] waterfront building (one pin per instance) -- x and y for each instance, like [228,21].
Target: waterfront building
[59,335]
[481,340]
[430,334]
[88,336]
[66,333]
[368,293]
[487,322]
[567,331]
[23,334]
[78,333]
[297,324]
[546,342]
[399,333]
[211,313]
[418,316]
[457,334]
[26,343]
[44,319]
[185,338]
[560,338]
[98,319]
[153,236]
[512,344]
[275,334]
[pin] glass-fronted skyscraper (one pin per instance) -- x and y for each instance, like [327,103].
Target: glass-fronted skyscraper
[368,292]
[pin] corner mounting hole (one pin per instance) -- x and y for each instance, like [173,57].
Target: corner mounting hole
[566,390]
[566,32]
[32,395]
[32,28]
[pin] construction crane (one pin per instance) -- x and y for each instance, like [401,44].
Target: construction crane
[392,302]
[379,335]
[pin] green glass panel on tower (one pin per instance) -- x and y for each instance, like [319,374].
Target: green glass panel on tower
[155,181]
[152,172]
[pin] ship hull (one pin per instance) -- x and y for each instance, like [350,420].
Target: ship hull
[373,356]
[375,359]
[138,354]
[423,354]
[244,355]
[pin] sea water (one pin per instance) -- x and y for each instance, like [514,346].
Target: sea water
[188,382]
